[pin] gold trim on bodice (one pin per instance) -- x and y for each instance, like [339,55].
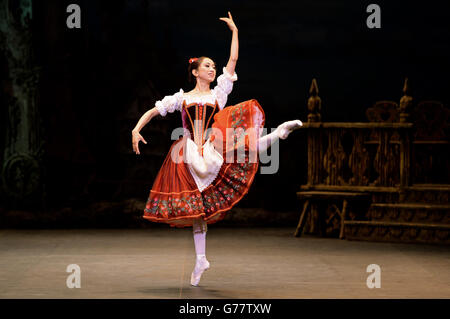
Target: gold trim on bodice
[198,124]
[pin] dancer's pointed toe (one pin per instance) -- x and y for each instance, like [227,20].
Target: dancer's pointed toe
[194,280]
[287,127]
[200,267]
[292,125]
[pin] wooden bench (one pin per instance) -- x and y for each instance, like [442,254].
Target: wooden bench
[311,196]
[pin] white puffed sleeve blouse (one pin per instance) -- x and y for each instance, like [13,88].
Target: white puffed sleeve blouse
[172,103]
[224,87]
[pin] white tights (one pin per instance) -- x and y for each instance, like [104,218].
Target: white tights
[199,229]
[199,226]
[282,131]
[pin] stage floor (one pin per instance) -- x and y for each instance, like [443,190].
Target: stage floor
[245,263]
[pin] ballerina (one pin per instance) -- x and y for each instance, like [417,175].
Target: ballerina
[195,185]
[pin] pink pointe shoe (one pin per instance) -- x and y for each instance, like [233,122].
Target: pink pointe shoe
[286,128]
[201,266]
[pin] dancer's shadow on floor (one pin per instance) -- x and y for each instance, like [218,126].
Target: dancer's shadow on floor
[204,292]
[185,292]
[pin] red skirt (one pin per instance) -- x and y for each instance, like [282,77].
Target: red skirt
[175,198]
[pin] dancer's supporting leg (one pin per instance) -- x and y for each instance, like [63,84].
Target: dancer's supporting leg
[199,229]
[282,131]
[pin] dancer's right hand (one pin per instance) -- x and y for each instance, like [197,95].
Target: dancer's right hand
[136,137]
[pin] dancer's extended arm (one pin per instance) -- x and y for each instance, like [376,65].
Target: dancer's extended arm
[136,136]
[169,103]
[234,51]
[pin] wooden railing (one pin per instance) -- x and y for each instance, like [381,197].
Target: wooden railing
[393,149]
[386,179]
[359,154]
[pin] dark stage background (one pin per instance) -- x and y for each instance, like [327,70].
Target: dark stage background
[95,82]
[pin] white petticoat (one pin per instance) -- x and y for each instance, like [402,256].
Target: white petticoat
[204,169]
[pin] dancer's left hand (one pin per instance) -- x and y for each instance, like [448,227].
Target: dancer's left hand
[229,22]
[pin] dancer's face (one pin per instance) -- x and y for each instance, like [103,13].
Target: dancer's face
[206,70]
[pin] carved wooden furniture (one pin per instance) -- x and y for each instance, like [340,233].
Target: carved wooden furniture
[399,158]
[311,201]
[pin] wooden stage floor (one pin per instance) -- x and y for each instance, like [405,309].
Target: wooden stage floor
[245,263]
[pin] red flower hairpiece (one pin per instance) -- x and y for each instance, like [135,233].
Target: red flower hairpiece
[192,60]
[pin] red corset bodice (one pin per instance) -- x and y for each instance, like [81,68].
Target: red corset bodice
[197,118]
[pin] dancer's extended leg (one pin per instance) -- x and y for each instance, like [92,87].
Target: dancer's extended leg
[199,229]
[282,131]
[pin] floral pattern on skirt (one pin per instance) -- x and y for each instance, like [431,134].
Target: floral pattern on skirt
[175,198]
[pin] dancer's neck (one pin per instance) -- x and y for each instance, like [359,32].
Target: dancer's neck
[201,87]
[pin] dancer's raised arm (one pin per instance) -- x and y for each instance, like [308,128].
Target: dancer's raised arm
[234,52]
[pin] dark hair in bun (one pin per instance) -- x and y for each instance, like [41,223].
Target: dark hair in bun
[194,63]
